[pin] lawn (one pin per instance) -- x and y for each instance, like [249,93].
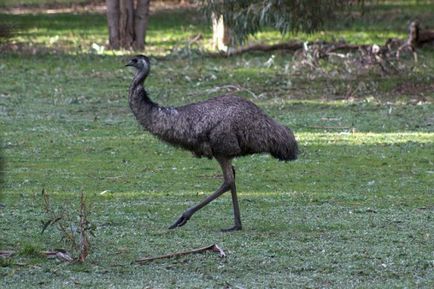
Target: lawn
[354,211]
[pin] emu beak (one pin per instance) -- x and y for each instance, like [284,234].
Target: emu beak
[130,63]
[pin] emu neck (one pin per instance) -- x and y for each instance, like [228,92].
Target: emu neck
[140,77]
[141,105]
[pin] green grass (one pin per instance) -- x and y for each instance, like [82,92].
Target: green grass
[75,33]
[355,211]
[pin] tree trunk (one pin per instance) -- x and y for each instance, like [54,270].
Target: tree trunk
[141,17]
[113,23]
[127,23]
[220,33]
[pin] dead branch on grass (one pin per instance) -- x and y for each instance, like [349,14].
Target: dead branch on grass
[288,46]
[370,53]
[212,248]
[60,254]
[6,254]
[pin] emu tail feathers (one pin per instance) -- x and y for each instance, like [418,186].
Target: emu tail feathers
[284,145]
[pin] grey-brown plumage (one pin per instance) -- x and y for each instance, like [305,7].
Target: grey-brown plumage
[223,127]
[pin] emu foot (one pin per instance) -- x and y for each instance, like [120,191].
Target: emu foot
[181,221]
[231,229]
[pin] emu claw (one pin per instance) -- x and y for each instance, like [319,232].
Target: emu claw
[180,222]
[231,229]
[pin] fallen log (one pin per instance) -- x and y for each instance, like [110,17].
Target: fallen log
[290,46]
[417,38]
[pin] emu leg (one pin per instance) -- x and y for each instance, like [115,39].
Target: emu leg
[228,184]
[188,213]
[237,216]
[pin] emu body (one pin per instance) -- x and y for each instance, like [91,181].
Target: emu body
[223,128]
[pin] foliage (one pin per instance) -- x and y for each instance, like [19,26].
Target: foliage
[249,17]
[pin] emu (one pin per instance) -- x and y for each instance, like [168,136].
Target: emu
[224,127]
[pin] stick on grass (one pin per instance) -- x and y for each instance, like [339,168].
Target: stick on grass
[213,248]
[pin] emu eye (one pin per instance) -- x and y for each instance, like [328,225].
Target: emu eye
[134,60]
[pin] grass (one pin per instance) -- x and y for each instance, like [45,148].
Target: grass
[355,211]
[43,3]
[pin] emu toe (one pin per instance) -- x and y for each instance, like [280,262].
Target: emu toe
[180,222]
[234,228]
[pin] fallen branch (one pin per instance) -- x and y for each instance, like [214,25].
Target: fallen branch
[417,37]
[195,39]
[333,47]
[291,46]
[6,254]
[213,248]
[60,254]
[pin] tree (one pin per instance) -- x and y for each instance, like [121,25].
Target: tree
[237,19]
[127,23]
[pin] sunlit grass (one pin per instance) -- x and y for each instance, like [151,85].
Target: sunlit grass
[370,138]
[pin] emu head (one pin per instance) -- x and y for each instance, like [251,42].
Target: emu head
[141,63]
